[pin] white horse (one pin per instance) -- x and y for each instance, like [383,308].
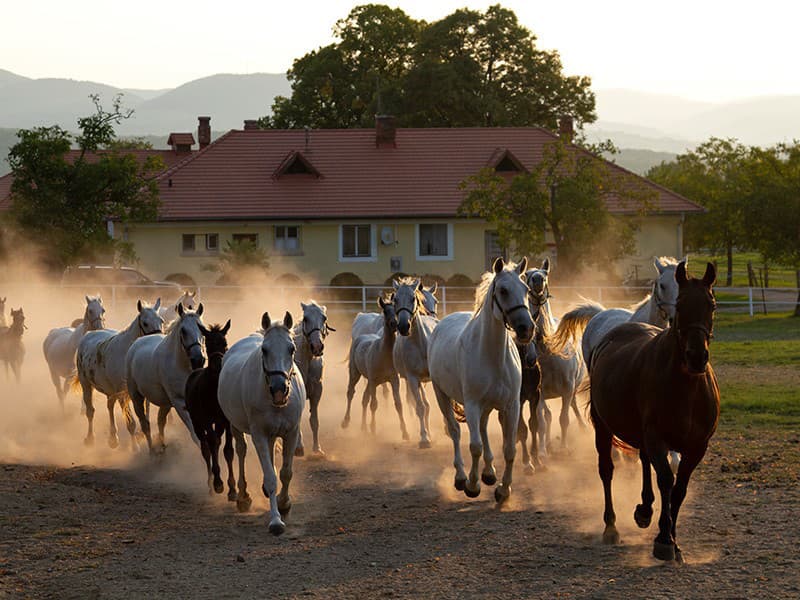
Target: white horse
[61,344]
[309,339]
[101,364]
[474,362]
[562,372]
[371,358]
[373,322]
[170,312]
[157,367]
[262,393]
[410,352]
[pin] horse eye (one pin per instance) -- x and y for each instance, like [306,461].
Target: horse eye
[503,292]
[661,285]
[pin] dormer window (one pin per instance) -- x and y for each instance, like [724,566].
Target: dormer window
[296,164]
[181,142]
[504,161]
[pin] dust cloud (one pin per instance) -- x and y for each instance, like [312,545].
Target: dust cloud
[35,430]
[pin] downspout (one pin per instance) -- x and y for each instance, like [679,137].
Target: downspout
[680,253]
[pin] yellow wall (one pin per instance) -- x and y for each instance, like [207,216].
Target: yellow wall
[158,247]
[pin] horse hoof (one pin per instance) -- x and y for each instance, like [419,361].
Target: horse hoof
[472,493]
[528,469]
[299,451]
[501,496]
[489,478]
[113,442]
[277,528]
[664,551]
[243,504]
[460,484]
[406,436]
[345,423]
[642,516]
[219,487]
[318,453]
[424,444]
[232,496]
[285,508]
[611,536]
[88,440]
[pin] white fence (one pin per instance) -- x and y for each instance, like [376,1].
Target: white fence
[352,299]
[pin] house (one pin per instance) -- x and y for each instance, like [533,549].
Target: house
[371,202]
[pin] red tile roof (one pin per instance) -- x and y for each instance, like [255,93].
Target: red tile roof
[233,178]
[180,139]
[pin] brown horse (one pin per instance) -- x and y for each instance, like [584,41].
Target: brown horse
[655,390]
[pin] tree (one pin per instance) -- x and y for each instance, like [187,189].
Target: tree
[66,203]
[713,175]
[238,259]
[566,193]
[468,69]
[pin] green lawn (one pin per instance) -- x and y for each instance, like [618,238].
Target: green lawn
[779,275]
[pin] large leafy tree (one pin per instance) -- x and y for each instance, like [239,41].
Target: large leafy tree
[567,194]
[64,200]
[714,176]
[468,69]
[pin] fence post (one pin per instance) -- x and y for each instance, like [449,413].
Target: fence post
[750,300]
[363,298]
[444,301]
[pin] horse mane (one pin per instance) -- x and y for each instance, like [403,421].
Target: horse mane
[634,307]
[483,287]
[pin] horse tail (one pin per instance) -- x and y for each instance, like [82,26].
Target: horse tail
[75,384]
[459,412]
[627,450]
[572,325]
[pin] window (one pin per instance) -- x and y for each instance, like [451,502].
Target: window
[434,241]
[238,238]
[357,242]
[187,242]
[212,242]
[287,239]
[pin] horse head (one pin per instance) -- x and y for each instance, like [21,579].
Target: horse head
[537,280]
[93,317]
[216,342]
[429,300]
[277,357]
[694,316]
[18,320]
[315,326]
[148,319]
[665,287]
[191,335]
[509,298]
[408,301]
[389,314]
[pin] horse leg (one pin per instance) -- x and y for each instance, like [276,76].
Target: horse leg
[644,511]
[454,431]
[213,437]
[314,398]
[243,499]
[179,403]
[414,398]
[687,466]
[144,420]
[563,419]
[664,545]
[205,450]
[89,405]
[602,442]
[488,475]
[130,423]
[473,415]
[538,427]
[522,436]
[373,406]
[508,423]
[227,452]
[56,379]
[365,397]
[113,439]
[427,406]
[264,447]
[163,411]
[575,409]
[351,390]
[398,405]
[284,499]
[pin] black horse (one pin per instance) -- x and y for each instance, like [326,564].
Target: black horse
[208,420]
[655,390]
[530,392]
[12,350]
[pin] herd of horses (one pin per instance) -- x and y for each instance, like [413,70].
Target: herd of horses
[651,385]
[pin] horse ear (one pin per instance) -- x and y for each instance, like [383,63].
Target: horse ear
[420,287]
[157,305]
[203,330]
[381,303]
[87,299]
[546,265]
[139,305]
[303,305]
[200,310]
[434,287]
[180,309]
[395,284]
[680,273]
[711,275]
[287,320]
[659,266]
[227,327]
[523,265]
[498,265]
[265,321]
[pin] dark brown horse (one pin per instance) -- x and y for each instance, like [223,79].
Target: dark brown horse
[655,390]
[12,350]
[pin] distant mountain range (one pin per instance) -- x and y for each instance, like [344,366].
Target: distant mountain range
[648,128]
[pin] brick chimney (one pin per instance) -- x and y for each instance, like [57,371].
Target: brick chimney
[566,129]
[251,125]
[203,131]
[385,131]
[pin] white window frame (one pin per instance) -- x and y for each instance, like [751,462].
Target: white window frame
[284,252]
[209,249]
[426,258]
[373,245]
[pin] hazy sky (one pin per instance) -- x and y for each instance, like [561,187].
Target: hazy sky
[701,49]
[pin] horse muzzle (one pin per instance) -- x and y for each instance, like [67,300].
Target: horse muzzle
[317,349]
[696,361]
[524,333]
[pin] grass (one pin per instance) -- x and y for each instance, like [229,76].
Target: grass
[779,275]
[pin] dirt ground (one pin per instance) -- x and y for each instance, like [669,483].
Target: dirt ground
[376,518]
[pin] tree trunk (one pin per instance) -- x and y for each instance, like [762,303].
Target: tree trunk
[766,275]
[797,304]
[729,278]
